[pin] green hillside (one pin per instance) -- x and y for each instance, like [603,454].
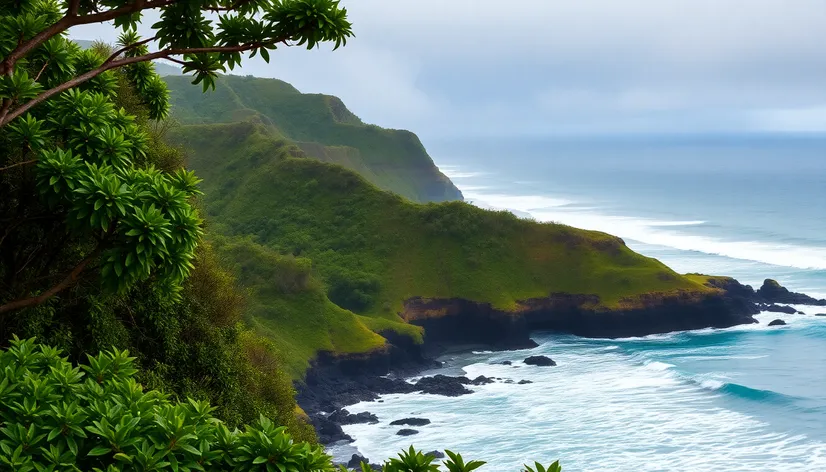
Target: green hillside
[358,253]
[322,127]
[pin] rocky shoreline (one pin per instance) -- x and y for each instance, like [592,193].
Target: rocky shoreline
[335,382]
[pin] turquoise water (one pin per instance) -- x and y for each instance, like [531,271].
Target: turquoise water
[743,399]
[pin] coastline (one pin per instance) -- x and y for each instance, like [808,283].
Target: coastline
[335,382]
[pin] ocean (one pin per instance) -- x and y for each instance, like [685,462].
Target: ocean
[749,398]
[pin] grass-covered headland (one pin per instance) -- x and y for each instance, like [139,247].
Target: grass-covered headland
[331,259]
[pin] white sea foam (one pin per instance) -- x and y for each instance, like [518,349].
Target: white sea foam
[597,411]
[654,232]
[658,366]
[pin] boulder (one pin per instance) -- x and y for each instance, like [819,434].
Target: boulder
[543,361]
[407,432]
[355,462]
[411,422]
[436,454]
[345,417]
[481,380]
[525,382]
[821,314]
[777,322]
[775,308]
[443,385]
[328,431]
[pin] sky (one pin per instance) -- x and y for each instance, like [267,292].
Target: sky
[467,68]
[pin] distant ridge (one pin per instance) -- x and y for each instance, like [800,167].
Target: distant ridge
[319,125]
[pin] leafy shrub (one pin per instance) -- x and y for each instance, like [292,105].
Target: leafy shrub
[96,417]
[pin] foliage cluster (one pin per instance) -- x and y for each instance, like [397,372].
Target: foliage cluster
[96,417]
[81,188]
[191,345]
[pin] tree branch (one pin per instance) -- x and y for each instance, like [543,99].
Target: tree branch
[176,61]
[67,282]
[37,77]
[74,6]
[70,20]
[4,110]
[30,161]
[126,61]
[231,7]
[126,48]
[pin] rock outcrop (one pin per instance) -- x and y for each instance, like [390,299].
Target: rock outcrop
[773,292]
[542,361]
[411,422]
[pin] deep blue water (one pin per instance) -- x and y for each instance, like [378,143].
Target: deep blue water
[743,399]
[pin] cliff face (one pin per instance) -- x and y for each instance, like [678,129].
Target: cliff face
[455,321]
[320,125]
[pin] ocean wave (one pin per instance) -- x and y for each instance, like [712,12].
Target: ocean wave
[518,203]
[655,232]
[745,392]
[677,223]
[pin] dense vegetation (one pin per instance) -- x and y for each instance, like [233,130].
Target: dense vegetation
[99,231]
[95,417]
[367,251]
[189,345]
[319,125]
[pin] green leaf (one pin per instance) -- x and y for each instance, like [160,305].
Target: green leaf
[99,451]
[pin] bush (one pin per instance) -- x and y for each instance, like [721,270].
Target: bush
[96,417]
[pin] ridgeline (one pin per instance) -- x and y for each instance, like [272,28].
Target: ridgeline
[319,125]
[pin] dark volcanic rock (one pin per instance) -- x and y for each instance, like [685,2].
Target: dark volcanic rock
[821,314]
[543,361]
[443,385]
[328,432]
[774,308]
[411,422]
[345,417]
[436,454]
[481,380]
[525,382]
[777,322]
[407,432]
[355,462]
[773,292]
[336,381]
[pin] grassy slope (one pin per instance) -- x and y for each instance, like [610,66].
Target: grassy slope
[323,127]
[437,250]
[384,247]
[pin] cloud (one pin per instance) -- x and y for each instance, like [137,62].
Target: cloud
[591,66]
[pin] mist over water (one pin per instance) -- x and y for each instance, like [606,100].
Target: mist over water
[742,399]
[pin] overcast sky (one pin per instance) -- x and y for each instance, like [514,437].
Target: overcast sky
[481,67]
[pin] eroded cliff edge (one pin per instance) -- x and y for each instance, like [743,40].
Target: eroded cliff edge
[335,382]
